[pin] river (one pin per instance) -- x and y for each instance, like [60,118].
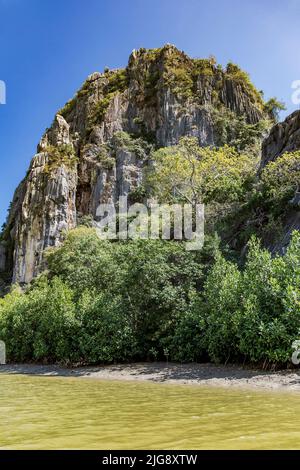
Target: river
[78,413]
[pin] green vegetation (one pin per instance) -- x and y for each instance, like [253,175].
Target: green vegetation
[137,145]
[117,82]
[68,107]
[205,66]
[106,153]
[273,108]
[104,157]
[155,69]
[280,180]
[253,314]
[234,72]
[187,172]
[235,131]
[100,108]
[181,73]
[102,302]
[63,154]
[138,194]
[168,67]
[268,205]
[178,75]
[71,104]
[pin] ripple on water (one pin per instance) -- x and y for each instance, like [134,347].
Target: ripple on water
[75,413]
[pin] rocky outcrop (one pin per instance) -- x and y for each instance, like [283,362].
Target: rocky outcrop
[284,137]
[48,202]
[2,257]
[99,143]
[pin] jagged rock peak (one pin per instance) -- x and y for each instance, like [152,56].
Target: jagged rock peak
[99,143]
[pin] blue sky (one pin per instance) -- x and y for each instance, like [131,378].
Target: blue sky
[49,47]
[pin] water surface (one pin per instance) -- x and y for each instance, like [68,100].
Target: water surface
[76,413]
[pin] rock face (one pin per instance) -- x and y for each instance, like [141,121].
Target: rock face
[284,137]
[99,143]
[2,257]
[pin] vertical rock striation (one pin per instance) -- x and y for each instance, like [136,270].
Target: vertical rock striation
[284,137]
[99,143]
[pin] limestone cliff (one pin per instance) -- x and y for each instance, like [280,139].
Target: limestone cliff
[284,137]
[84,159]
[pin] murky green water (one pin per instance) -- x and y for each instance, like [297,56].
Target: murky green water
[67,413]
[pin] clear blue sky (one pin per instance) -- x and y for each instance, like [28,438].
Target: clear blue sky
[49,47]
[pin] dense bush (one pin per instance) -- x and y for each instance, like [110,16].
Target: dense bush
[106,330]
[102,302]
[188,172]
[280,179]
[187,341]
[267,208]
[221,304]
[254,315]
[153,278]
[41,323]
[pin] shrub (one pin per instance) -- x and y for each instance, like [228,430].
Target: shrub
[188,172]
[40,324]
[101,108]
[84,262]
[154,279]
[273,108]
[136,145]
[280,179]
[221,305]
[187,341]
[254,313]
[102,302]
[158,280]
[68,108]
[106,331]
[63,154]
[269,325]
